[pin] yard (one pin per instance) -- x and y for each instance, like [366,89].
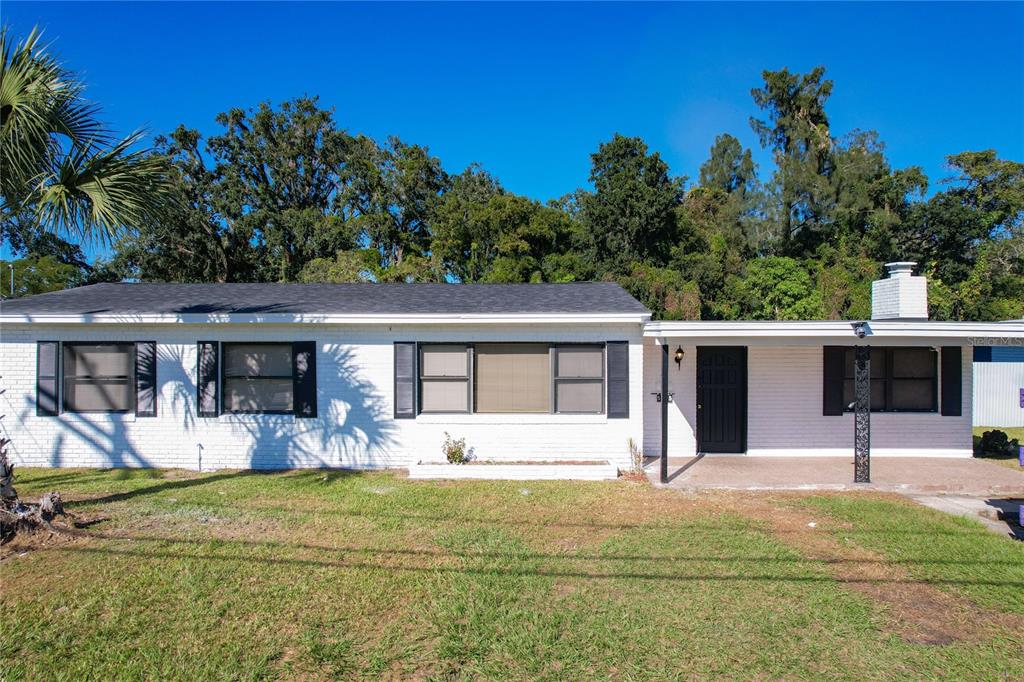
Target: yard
[318,574]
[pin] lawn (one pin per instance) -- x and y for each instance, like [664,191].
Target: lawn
[321,575]
[1012,460]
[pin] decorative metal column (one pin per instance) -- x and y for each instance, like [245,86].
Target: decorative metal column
[664,411]
[862,414]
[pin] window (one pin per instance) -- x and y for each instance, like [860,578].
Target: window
[99,377]
[579,379]
[444,378]
[258,378]
[513,377]
[902,380]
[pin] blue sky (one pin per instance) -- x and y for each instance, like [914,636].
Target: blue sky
[529,90]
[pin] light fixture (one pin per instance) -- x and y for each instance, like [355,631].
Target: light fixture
[860,329]
[679,357]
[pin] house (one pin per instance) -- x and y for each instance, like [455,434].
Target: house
[366,375]
[999,385]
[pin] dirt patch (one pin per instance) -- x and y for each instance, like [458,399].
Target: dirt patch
[918,613]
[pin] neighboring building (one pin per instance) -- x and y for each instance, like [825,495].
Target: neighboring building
[365,375]
[999,385]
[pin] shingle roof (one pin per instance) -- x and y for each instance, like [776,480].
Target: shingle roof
[330,299]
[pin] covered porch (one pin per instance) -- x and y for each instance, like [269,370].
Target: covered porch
[773,390]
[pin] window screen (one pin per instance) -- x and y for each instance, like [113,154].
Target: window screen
[444,378]
[99,377]
[258,377]
[513,377]
[579,379]
[902,380]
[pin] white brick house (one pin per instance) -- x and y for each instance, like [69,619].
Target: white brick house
[283,376]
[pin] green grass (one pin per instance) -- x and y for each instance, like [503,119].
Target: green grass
[1010,460]
[321,575]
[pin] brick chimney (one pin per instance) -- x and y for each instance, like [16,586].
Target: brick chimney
[901,295]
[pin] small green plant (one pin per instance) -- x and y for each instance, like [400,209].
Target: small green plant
[454,449]
[996,443]
[636,456]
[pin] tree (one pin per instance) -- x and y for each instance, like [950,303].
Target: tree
[631,212]
[61,165]
[984,203]
[278,174]
[390,192]
[776,288]
[463,238]
[254,204]
[796,129]
[730,168]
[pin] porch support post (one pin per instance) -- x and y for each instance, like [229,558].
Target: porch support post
[862,414]
[664,411]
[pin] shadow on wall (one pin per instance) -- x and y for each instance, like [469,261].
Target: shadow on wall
[354,427]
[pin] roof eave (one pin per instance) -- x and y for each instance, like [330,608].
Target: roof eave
[882,329]
[348,319]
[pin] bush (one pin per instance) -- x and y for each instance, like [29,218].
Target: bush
[996,443]
[454,449]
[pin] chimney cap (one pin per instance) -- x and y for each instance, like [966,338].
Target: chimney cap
[903,268]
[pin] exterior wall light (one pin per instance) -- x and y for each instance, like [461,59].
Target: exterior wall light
[679,357]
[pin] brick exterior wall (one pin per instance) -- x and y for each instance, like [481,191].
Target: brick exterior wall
[355,384]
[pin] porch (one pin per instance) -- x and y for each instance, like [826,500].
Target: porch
[909,475]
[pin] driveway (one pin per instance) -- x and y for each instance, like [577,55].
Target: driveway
[909,475]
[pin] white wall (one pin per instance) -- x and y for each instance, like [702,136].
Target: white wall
[355,384]
[784,385]
[997,387]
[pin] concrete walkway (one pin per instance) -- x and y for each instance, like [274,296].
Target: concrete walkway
[1001,516]
[908,475]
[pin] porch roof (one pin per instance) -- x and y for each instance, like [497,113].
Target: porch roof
[844,331]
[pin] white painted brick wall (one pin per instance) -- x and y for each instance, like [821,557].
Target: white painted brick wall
[784,410]
[355,383]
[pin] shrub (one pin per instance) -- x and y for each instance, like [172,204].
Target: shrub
[454,449]
[996,442]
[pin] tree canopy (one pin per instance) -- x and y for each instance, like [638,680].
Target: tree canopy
[283,193]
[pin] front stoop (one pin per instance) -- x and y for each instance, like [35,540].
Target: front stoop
[515,472]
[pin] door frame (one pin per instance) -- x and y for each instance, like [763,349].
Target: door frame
[743,354]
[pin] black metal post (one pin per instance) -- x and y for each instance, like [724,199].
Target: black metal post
[862,414]
[664,411]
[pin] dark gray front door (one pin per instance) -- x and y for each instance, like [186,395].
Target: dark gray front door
[721,399]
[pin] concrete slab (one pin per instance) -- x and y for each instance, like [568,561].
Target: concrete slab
[998,515]
[910,475]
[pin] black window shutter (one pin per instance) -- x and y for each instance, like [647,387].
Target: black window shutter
[618,379]
[208,379]
[145,379]
[47,380]
[405,380]
[832,388]
[304,378]
[952,381]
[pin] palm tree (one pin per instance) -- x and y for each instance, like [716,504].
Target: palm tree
[60,166]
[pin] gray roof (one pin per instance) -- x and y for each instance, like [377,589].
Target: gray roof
[329,299]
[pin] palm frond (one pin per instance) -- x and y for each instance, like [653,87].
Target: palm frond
[57,158]
[99,193]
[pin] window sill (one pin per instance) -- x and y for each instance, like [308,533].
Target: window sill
[511,418]
[103,417]
[257,418]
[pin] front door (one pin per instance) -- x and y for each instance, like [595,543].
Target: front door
[721,399]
